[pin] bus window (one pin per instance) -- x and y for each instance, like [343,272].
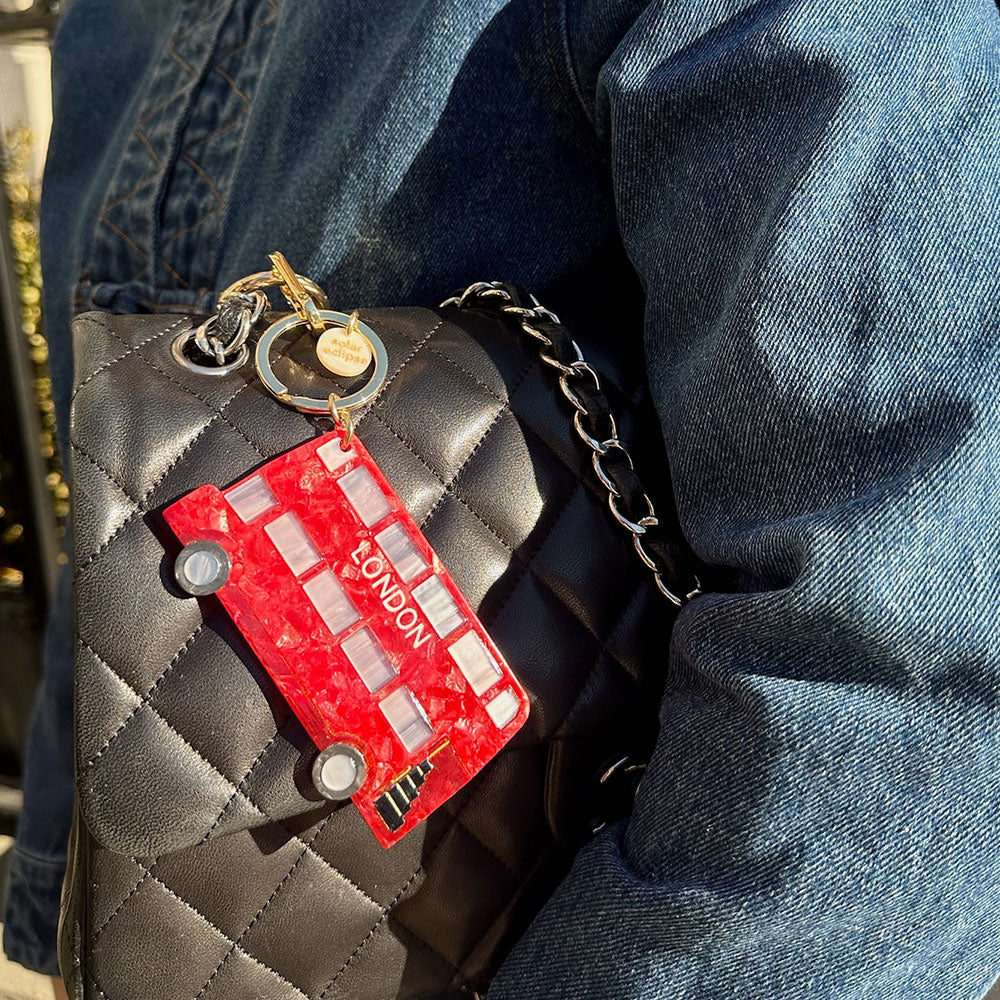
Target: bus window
[439,606]
[365,497]
[292,542]
[368,659]
[251,499]
[407,717]
[330,600]
[476,662]
[401,551]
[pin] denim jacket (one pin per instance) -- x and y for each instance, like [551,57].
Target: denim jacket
[792,208]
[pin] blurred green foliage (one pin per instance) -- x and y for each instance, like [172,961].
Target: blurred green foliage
[23,199]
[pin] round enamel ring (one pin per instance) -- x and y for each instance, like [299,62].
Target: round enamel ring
[309,404]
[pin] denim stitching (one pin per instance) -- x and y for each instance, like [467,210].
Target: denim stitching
[188,158]
[129,242]
[34,858]
[213,187]
[139,132]
[232,83]
[221,130]
[180,281]
[144,139]
[186,230]
[183,63]
[270,19]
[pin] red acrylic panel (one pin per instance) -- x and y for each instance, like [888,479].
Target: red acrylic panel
[311,503]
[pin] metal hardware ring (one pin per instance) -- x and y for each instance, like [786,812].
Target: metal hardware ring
[177,350]
[309,404]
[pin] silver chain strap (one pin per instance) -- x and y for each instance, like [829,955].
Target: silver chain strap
[600,448]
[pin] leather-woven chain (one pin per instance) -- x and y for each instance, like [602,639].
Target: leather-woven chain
[662,553]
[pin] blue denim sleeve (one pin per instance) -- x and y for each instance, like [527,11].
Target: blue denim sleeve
[810,192]
[38,859]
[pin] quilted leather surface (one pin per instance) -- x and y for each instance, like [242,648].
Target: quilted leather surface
[207,864]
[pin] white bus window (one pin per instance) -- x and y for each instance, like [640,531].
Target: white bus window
[331,601]
[401,551]
[437,603]
[407,718]
[365,497]
[476,662]
[251,499]
[368,659]
[503,708]
[333,456]
[292,542]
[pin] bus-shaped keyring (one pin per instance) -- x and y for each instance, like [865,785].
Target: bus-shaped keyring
[353,615]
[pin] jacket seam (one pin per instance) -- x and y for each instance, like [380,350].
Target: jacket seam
[549,28]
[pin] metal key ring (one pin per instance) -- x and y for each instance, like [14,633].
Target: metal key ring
[309,404]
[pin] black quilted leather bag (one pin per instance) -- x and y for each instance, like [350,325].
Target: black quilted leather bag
[204,864]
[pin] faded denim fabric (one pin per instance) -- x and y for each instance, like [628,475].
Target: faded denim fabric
[38,859]
[792,207]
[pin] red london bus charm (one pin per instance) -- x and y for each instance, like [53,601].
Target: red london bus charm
[362,628]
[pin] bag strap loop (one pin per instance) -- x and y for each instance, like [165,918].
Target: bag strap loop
[664,552]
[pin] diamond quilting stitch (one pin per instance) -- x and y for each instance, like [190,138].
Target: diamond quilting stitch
[382,920]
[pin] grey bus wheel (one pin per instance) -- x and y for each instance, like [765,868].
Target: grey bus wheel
[202,568]
[339,771]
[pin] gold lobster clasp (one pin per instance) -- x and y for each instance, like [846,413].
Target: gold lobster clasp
[291,287]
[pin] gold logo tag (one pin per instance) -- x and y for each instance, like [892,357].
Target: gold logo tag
[343,352]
